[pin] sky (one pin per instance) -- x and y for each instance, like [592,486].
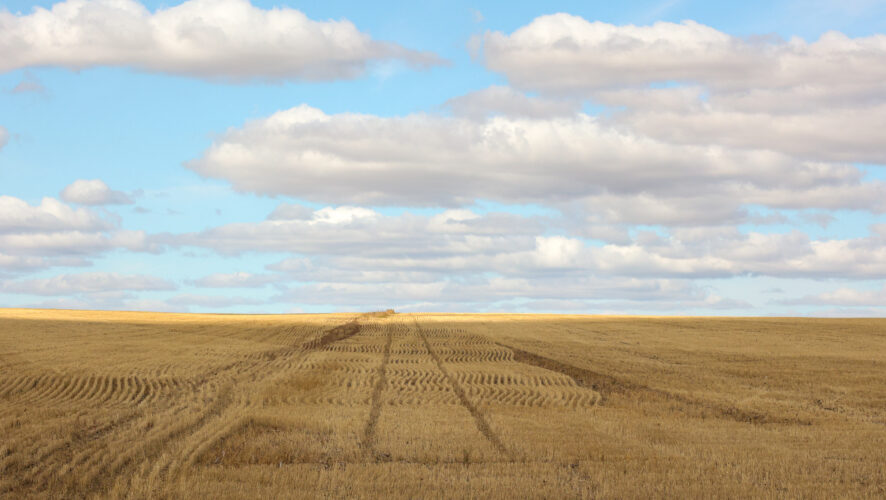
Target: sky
[657,157]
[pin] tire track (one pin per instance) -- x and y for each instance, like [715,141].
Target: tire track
[96,468]
[337,333]
[479,418]
[38,466]
[103,471]
[208,430]
[368,441]
[607,385]
[603,384]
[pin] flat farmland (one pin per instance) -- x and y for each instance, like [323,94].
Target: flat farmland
[144,405]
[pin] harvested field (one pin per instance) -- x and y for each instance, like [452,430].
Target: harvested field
[142,405]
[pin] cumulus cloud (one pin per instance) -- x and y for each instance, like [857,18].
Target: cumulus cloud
[844,297]
[227,40]
[557,251]
[740,123]
[111,301]
[458,246]
[72,243]
[850,312]
[342,215]
[727,252]
[291,211]
[87,283]
[510,102]
[427,160]
[820,100]
[17,216]
[55,234]
[562,53]
[24,263]
[94,192]
[705,135]
[346,231]
[461,259]
[235,280]
[493,293]
[830,134]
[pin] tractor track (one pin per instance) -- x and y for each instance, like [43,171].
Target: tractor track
[479,418]
[608,385]
[368,440]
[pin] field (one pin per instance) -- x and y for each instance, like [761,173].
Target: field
[147,405]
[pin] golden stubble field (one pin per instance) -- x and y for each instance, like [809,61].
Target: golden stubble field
[144,405]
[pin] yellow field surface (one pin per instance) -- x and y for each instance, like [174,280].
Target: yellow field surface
[147,405]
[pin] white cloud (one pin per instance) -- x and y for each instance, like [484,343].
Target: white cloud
[488,292]
[288,211]
[835,134]
[462,245]
[55,234]
[344,231]
[212,39]
[342,215]
[741,127]
[235,280]
[726,252]
[112,301]
[719,205]
[851,312]
[844,297]
[562,53]
[30,263]
[60,244]
[4,137]
[507,101]
[94,192]
[557,251]
[427,160]
[86,283]
[17,215]
[821,100]
[462,259]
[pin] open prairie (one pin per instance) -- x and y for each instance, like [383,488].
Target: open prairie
[144,405]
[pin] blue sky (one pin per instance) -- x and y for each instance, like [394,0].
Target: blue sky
[667,157]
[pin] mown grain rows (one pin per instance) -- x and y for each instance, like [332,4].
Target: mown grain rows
[366,405]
